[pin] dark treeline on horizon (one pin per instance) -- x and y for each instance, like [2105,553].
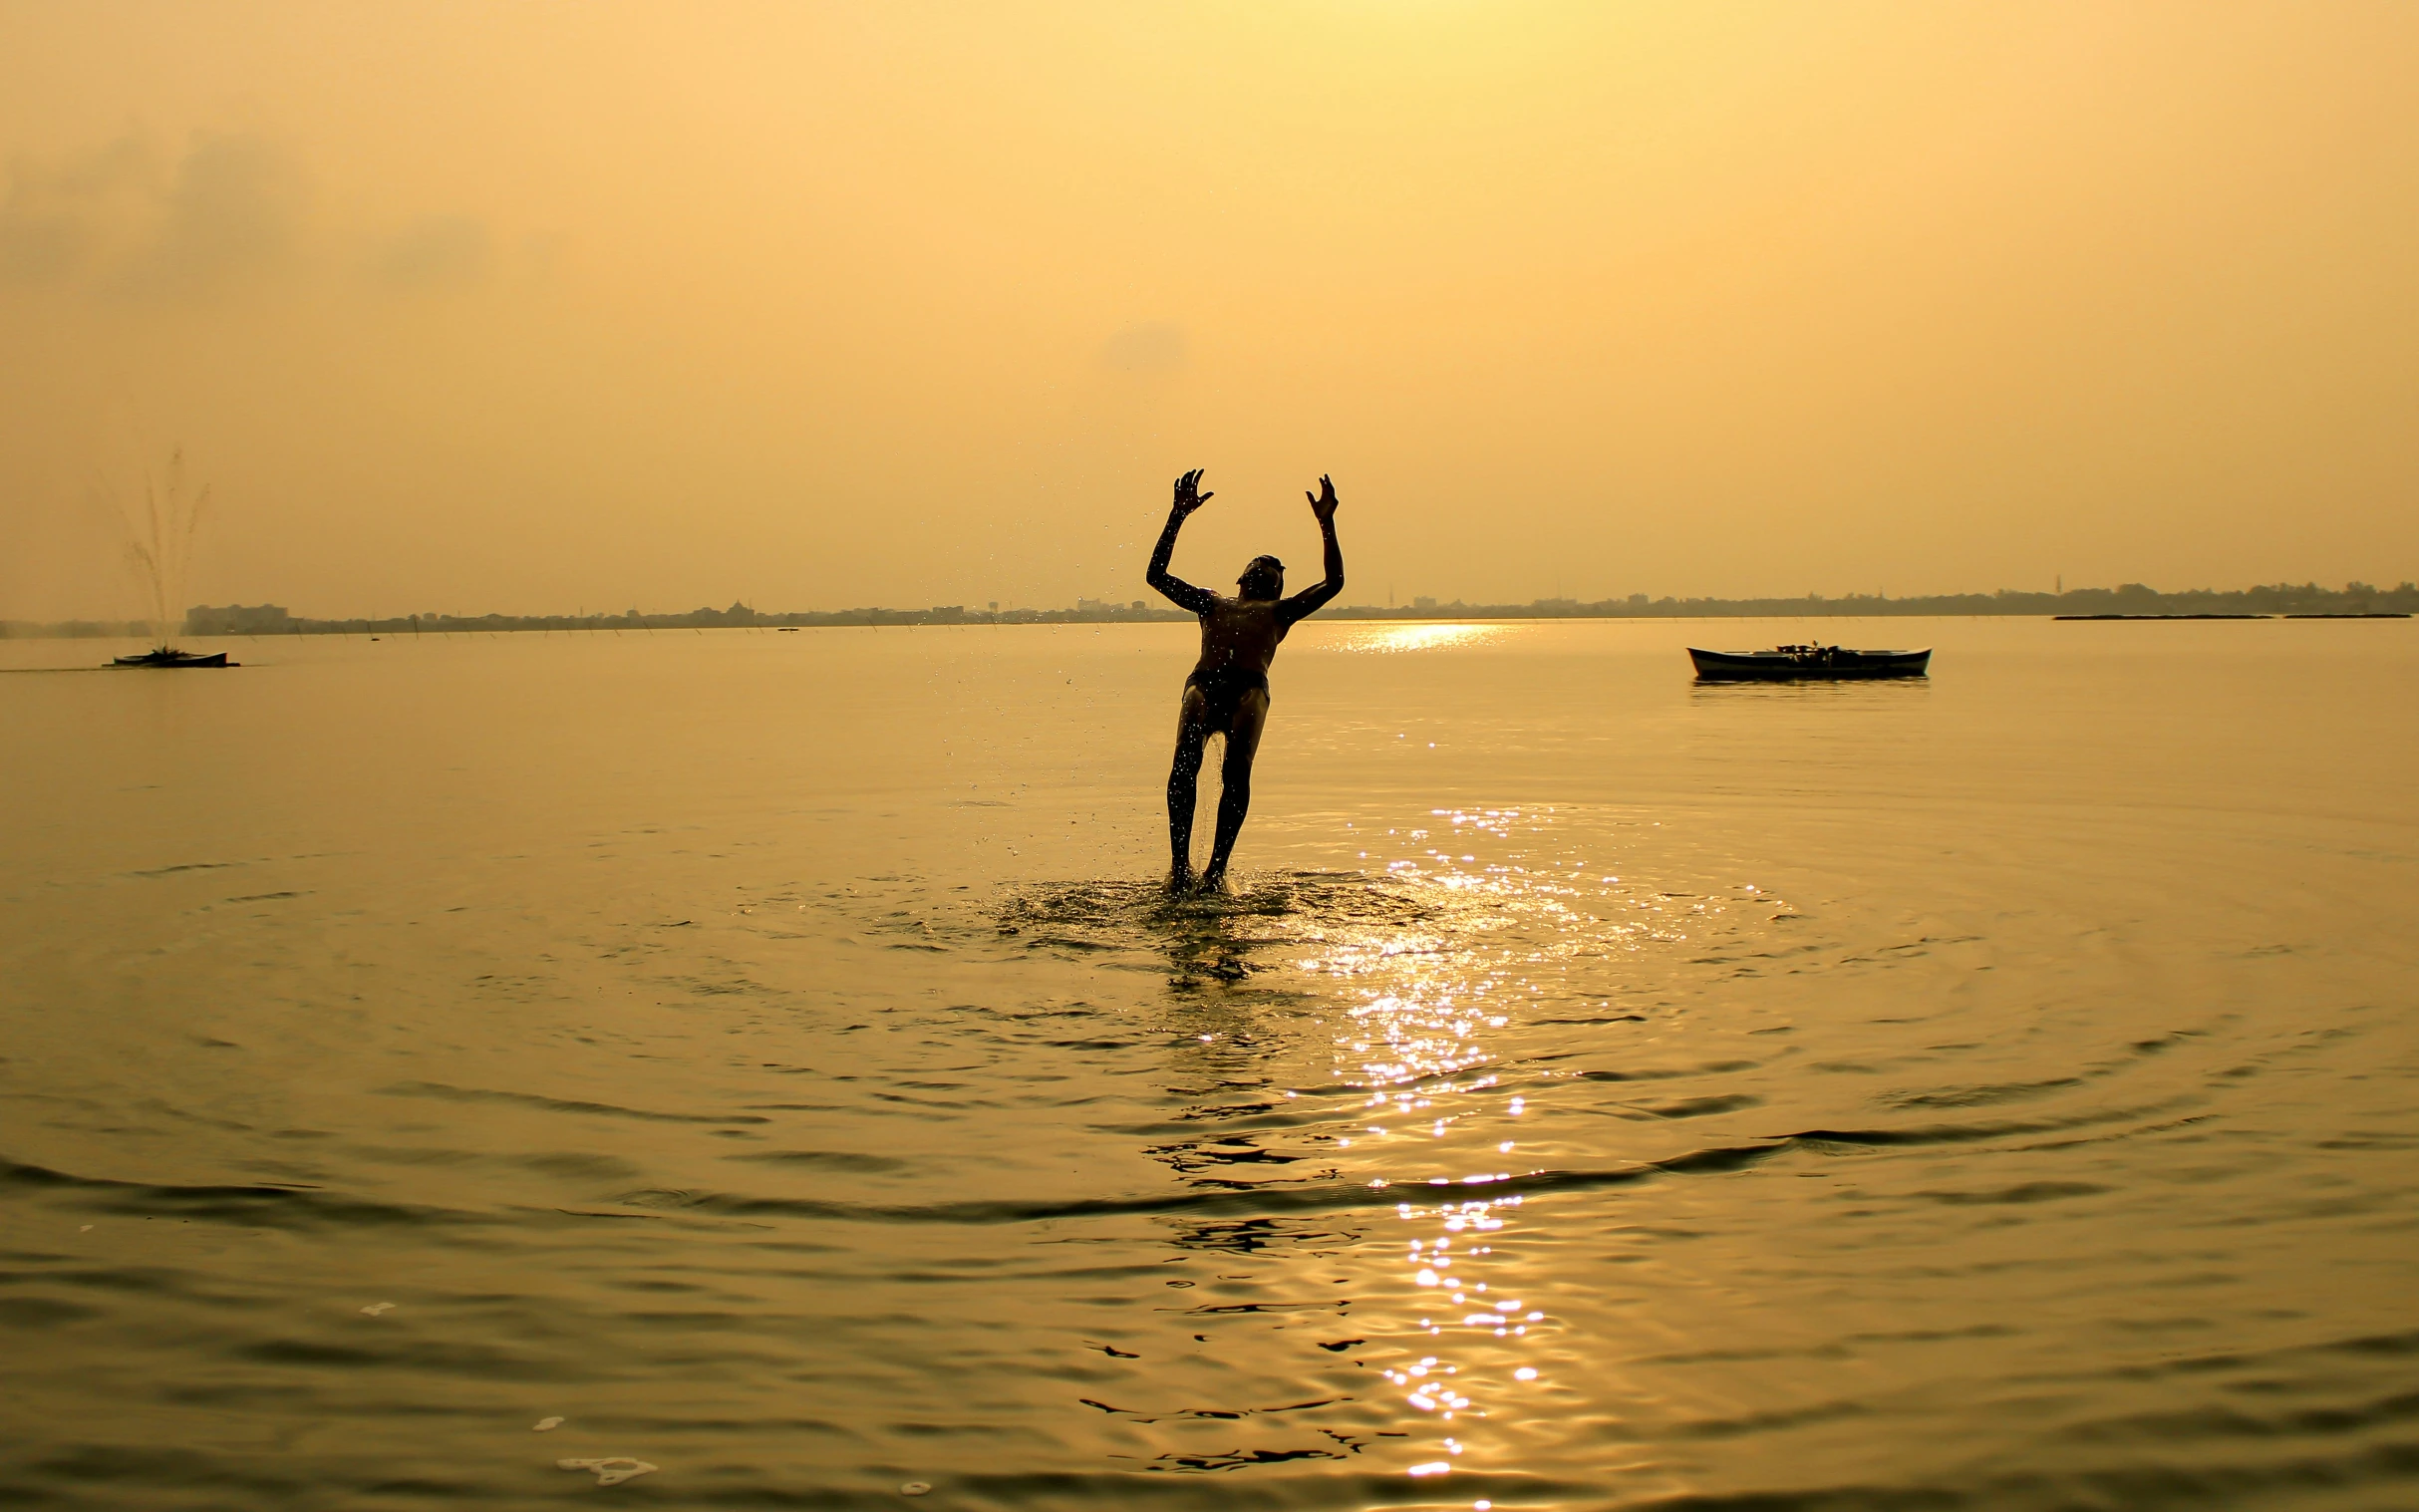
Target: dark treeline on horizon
[2129,598]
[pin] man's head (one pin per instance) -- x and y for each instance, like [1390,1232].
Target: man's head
[1264,578]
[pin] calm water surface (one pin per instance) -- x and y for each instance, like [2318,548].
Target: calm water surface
[767,1054]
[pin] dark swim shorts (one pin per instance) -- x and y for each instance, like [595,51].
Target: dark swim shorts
[1224,687]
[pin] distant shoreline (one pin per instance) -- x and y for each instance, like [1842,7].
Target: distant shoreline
[2129,602]
[2347,614]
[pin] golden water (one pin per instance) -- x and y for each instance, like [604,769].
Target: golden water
[768,1055]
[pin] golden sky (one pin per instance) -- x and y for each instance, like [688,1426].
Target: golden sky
[540,306]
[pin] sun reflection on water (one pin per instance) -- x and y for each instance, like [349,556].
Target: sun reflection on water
[1425,998]
[1424,636]
[1428,975]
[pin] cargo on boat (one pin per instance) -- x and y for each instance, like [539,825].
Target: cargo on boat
[1806,662]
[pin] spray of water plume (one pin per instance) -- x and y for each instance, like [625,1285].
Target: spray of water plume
[160,536]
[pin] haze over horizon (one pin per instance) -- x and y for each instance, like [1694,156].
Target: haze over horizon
[462,308]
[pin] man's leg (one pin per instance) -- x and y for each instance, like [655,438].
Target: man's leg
[1183,778]
[1234,778]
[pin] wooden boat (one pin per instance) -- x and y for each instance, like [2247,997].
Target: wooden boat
[1795,663]
[165,657]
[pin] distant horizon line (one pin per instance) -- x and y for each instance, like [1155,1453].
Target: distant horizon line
[2277,598]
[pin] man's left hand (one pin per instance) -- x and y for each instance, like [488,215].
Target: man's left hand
[1322,504]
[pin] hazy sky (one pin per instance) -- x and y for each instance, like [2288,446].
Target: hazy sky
[534,307]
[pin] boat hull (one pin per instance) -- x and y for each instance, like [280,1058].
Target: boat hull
[164,658]
[1834,664]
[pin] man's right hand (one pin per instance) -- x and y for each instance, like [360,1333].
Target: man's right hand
[1188,493]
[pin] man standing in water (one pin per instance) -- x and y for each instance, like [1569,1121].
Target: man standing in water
[1227,694]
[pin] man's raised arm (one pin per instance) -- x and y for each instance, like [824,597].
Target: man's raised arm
[1183,594]
[1307,602]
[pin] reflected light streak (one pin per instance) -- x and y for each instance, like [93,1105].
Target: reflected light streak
[1397,638]
[1483,927]
[1407,1043]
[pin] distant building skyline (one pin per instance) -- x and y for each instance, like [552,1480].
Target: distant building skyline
[2275,599]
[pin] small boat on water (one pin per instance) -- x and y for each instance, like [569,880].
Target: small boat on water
[1796,663]
[166,657]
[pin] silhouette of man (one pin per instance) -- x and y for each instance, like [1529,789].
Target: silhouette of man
[1227,693]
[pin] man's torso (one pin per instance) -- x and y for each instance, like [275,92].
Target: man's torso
[1239,637]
